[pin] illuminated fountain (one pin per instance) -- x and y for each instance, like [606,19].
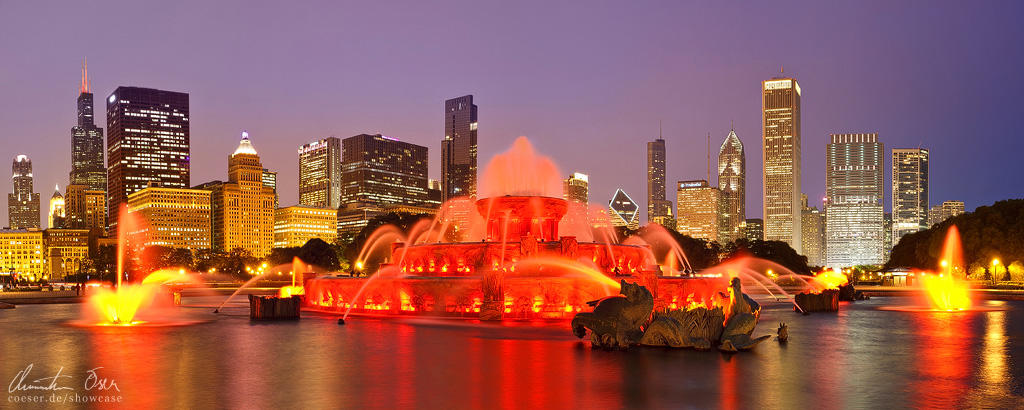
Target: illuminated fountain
[135,303]
[520,252]
[942,289]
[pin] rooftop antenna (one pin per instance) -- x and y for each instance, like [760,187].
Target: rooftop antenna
[709,158]
[85,76]
[659,129]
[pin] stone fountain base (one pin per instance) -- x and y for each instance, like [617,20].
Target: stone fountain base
[274,307]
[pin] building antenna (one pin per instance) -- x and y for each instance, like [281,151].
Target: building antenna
[659,129]
[85,76]
[709,158]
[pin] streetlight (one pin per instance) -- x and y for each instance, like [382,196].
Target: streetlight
[995,262]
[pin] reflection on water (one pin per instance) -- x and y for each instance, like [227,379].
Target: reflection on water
[861,357]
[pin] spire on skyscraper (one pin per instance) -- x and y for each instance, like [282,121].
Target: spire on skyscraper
[85,76]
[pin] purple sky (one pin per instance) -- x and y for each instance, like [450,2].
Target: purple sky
[587,83]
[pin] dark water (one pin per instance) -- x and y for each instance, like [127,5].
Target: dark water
[859,358]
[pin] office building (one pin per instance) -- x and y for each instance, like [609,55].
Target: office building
[659,209]
[22,204]
[780,104]
[270,181]
[147,141]
[577,188]
[732,183]
[951,209]
[320,173]
[459,149]
[623,211]
[854,221]
[66,249]
[384,171]
[85,208]
[697,209]
[753,229]
[56,215]
[813,234]
[296,225]
[22,252]
[242,207]
[909,192]
[87,166]
[174,217]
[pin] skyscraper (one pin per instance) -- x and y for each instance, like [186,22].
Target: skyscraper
[22,204]
[381,170]
[732,174]
[697,209]
[57,210]
[753,229]
[854,223]
[458,148]
[147,141]
[85,208]
[320,173]
[909,192]
[659,210]
[624,211]
[780,103]
[951,209]
[243,207]
[813,234]
[87,143]
[270,181]
[577,187]
[174,217]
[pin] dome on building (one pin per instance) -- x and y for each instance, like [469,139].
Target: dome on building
[245,147]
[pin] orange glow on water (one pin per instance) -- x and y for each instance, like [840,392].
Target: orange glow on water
[946,293]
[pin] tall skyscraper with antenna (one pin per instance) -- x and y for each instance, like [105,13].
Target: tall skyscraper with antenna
[732,174]
[22,204]
[659,210]
[87,167]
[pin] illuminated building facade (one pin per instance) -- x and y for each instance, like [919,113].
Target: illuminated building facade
[577,188]
[780,103]
[732,183]
[384,171]
[85,208]
[909,192]
[174,217]
[270,180]
[295,225]
[813,234]
[624,211]
[320,173]
[753,229]
[243,207]
[659,209]
[22,204]
[87,167]
[951,209]
[697,209]
[22,251]
[147,141]
[459,149]
[353,217]
[57,214]
[65,251]
[854,221]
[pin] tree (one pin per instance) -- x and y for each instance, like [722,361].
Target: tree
[990,232]
[319,253]
[776,251]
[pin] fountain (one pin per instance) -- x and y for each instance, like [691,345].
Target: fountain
[520,252]
[135,303]
[942,289]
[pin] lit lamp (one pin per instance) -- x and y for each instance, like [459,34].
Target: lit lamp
[995,262]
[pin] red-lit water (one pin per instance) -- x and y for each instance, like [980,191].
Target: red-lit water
[858,358]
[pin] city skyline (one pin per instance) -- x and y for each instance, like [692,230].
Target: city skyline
[38,113]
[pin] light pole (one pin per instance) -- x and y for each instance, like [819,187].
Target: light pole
[995,263]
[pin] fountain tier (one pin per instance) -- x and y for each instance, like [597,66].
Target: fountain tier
[522,268]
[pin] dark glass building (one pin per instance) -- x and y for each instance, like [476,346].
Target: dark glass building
[459,149]
[384,171]
[147,141]
[87,143]
[22,204]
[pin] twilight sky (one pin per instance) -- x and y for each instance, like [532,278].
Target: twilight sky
[587,82]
